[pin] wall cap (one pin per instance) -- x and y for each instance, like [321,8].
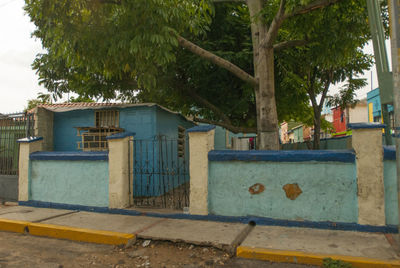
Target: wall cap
[29,139]
[121,135]
[389,152]
[202,128]
[70,156]
[345,156]
[365,125]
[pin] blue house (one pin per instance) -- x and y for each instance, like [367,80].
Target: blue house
[374,107]
[160,146]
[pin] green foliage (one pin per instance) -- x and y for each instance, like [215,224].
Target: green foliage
[128,50]
[113,39]
[330,263]
[42,98]
[333,55]
[80,99]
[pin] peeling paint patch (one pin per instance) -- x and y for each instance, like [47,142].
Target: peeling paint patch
[257,188]
[292,191]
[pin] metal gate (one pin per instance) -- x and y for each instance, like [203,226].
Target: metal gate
[161,173]
[12,128]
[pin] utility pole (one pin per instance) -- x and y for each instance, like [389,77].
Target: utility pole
[385,77]
[394,6]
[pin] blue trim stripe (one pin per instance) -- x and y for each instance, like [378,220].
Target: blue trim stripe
[30,139]
[346,156]
[69,156]
[121,135]
[365,125]
[244,220]
[202,128]
[389,152]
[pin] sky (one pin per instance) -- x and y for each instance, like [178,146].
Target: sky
[19,83]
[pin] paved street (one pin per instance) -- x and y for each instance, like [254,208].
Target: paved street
[18,250]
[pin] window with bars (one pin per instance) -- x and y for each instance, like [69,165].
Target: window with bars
[94,138]
[107,118]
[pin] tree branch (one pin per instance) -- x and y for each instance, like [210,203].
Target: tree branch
[217,60]
[274,27]
[226,126]
[325,91]
[288,44]
[310,7]
[209,105]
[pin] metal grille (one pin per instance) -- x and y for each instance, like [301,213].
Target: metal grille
[107,118]
[12,128]
[161,174]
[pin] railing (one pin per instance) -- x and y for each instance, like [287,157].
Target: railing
[13,127]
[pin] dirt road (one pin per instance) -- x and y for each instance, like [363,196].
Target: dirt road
[18,250]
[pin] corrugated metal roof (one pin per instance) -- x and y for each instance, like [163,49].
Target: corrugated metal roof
[67,107]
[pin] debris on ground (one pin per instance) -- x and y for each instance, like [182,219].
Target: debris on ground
[146,243]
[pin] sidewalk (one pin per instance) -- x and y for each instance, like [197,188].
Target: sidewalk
[277,244]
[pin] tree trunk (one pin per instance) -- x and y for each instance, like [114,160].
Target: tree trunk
[317,131]
[267,117]
[267,120]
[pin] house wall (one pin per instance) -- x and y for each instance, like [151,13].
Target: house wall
[139,120]
[65,135]
[358,114]
[329,189]
[339,120]
[284,133]
[167,123]
[298,134]
[70,182]
[146,122]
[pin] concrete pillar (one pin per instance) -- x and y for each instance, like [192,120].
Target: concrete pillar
[367,143]
[44,127]
[120,163]
[201,141]
[26,147]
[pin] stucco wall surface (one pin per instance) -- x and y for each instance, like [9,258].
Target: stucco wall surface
[328,190]
[64,131]
[367,144]
[390,182]
[70,182]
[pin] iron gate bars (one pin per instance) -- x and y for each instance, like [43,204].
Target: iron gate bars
[161,174]
[13,127]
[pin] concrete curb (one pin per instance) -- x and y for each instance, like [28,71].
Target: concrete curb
[13,226]
[68,233]
[310,258]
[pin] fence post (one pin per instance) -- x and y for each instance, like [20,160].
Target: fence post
[367,143]
[119,165]
[201,141]
[26,147]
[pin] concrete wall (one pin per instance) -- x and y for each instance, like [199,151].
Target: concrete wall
[8,187]
[390,180]
[340,143]
[358,114]
[329,188]
[44,127]
[70,182]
